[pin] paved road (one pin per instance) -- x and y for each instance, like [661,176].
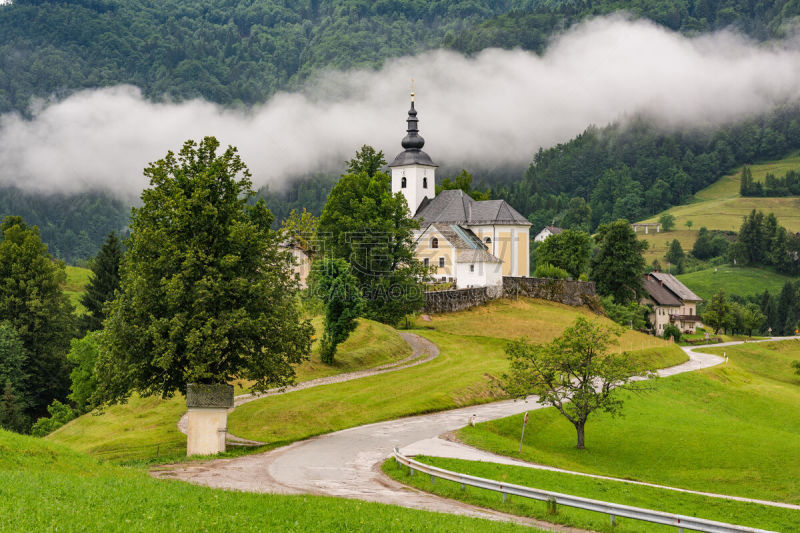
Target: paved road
[347,463]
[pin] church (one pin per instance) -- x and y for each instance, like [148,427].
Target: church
[468,242]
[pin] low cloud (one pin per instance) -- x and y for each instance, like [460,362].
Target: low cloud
[494,109]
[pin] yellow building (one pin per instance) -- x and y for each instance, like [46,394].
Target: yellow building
[469,242]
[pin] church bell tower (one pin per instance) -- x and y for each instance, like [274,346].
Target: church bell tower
[413,172]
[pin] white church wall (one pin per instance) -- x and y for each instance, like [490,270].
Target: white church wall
[417,176]
[482,274]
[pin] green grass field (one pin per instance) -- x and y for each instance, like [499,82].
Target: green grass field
[741,513]
[465,373]
[77,279]
[742,281]
[720,207]
[145,428]
[731,429]
[47,487]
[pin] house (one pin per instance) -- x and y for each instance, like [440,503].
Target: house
[546,232]
[301,266]
[672,302]
[472,243]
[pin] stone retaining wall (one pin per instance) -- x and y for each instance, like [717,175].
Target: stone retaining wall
[555,290]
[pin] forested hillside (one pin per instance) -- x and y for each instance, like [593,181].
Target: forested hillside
[239,52]
[637,170]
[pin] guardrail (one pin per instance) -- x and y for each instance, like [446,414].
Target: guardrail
[556,498]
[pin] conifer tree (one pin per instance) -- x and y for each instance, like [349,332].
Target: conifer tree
[102,284]
[12,415]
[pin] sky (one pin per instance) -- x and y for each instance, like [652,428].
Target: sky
[492,109]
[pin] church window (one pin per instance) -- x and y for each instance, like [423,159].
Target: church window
[434,242]
[403,182]
[488,240]
[424,183]
[441,262]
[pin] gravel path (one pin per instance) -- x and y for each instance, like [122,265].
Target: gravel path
[347,463]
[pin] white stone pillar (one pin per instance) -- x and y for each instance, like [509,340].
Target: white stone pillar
[208,417]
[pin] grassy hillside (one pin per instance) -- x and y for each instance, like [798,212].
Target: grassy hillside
[748,514]
[146,428]
[47,487]
[77,279]
[471,359]
[743,281]
[729,429]
[719,206]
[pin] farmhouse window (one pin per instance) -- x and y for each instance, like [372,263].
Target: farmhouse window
[441,262]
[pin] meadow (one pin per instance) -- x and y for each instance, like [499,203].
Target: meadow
[48,487]
[77,279]
[742,281]
[720,207]
[742,513]
[731,429]
[471,361]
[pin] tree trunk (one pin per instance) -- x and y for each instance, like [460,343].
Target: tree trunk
[580,427]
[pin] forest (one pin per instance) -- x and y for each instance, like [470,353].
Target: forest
[240,52]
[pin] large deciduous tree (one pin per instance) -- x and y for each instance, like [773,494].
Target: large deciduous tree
[102,284]
[618,265]
[33,302]
[718,311]
[370,228]
[575,373]
[207,295]
[568,250]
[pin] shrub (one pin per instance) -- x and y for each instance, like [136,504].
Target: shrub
[546,270]
[671,330]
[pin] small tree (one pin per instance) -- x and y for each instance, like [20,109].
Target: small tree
[667,221]
[102,284]
[689,224]
[338,290]
[83,355]
[546,270]
[207,295]
[575,373]
[752,318]
[675,255]
[717,314]
[60,414]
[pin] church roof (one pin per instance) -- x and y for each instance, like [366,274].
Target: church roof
[457,207]
[469,247]
[413,143]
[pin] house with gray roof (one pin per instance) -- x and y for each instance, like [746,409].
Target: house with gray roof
[452,223]
[672,303]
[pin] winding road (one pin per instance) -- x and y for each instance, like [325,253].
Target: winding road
[347,463]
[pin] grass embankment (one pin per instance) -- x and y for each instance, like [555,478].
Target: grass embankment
[46,487]
[731,429]
[471,360]
[77,279]
[145,428]
[748,514]
[742,281]
[719,206]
